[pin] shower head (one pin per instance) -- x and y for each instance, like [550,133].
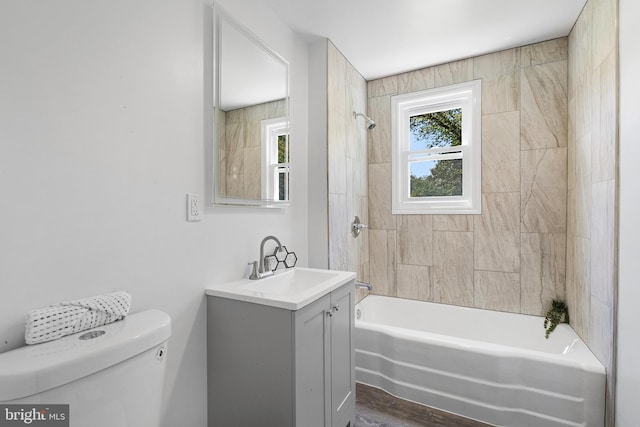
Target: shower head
[370,123]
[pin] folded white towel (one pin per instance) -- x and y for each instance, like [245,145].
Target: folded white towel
[65,318]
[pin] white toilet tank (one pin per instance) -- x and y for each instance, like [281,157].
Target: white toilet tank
[110,379]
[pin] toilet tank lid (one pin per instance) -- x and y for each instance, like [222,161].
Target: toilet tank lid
[36,368]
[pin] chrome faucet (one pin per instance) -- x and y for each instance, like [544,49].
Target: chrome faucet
[363,285]
[263,268]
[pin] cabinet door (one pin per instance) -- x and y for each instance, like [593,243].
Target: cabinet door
[342,355]
[311,364]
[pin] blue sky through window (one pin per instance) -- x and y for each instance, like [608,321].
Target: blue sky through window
[419,168]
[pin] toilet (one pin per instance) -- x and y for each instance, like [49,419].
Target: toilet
[110,376]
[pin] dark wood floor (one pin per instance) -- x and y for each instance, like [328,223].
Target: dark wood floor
[375,408]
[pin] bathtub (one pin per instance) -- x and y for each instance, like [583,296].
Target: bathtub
[486,365]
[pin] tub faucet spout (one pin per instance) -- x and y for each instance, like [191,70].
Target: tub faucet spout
[363,285]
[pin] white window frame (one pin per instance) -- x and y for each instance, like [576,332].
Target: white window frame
[270,130]
[466,96]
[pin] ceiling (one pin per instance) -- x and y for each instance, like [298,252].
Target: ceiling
[386,37]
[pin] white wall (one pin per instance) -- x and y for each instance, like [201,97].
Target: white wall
[628,351]
[103,131]
[317,166]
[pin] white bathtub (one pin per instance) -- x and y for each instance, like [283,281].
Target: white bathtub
[487,365]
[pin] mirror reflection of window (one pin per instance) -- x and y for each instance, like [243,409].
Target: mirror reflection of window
[251,85]
[276,159]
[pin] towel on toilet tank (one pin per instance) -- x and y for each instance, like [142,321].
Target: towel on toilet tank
[66,318]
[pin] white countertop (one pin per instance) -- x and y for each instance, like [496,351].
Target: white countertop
[290,289]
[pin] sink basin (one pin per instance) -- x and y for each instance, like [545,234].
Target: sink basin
[292,289]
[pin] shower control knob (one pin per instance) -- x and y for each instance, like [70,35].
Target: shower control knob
[356,227]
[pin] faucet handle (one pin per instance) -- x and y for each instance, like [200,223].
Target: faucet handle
[254,270]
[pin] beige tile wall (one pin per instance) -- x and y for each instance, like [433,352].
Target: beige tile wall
[347,158]
[592,157]
[512,257]
[549,157]
[240,150]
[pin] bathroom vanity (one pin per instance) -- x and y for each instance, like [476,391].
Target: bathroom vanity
[281,350]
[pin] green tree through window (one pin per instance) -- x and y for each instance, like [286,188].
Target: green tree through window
[443,177]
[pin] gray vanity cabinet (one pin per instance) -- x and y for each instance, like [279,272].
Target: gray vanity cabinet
[269,366]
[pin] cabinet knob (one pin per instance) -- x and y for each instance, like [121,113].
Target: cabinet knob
[333,310]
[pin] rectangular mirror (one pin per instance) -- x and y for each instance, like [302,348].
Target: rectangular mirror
[251,118]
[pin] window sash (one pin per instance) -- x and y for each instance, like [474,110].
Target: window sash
[465,96]
[432,154]
[271,130]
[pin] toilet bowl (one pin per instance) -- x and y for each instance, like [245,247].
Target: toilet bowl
[110,376]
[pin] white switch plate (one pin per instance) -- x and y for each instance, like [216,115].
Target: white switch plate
[194,207]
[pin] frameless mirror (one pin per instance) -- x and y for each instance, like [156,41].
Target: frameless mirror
[251,118]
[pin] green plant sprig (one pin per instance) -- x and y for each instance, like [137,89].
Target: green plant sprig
[558,313]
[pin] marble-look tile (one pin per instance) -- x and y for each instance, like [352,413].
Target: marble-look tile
[497,233]
[501,152]
[339,232]
[453,267]
[603,241]
[352,177]
[501,92]
[252,180]
[583,27]
[336,79]
[603,144]
[382,270]
[236,116]
[544,106]
[583,83]
[414,81]
[569,265]
[253,124]
[583,186]
[351,205]
[572,66]
[544,190]
[501,62]
[219,175]
[571,289]
[363,241]
[415,240]
[582,278]
[453,222]
[379,109]
[605,15]
[380,215]
[356,96]
[544,52]
[277,108]
[572,210]
[571,146]
[453,73]
[336,152]
[382,87]
[234,185]
[600,336]
[497,291]
[414,282]
[235,148]
[542,274]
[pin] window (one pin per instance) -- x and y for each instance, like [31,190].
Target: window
[275,155]
[436,159]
